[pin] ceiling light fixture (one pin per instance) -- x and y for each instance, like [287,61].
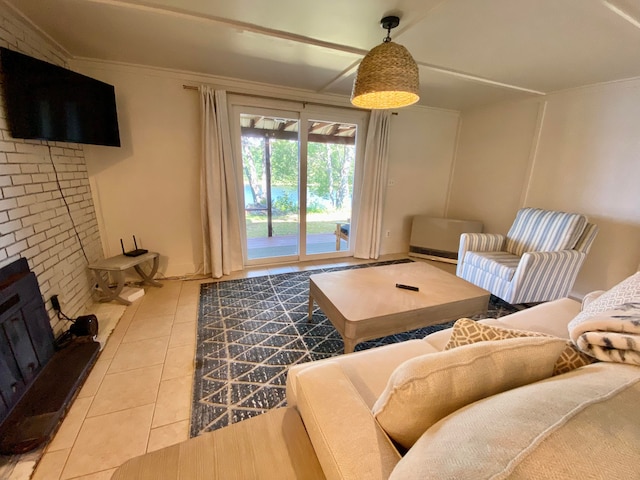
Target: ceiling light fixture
[387,76]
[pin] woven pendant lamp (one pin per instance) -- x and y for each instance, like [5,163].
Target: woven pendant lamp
[387,76]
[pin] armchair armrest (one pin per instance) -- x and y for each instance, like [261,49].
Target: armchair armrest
[482,242]
[345,435]
[542,275]
[478,242]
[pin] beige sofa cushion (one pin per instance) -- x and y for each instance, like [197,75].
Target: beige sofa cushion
[346,438]
[425,389]
[466,332]
[583,424]
[550,318]
[368,370]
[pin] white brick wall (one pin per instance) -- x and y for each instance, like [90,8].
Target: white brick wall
[34,220]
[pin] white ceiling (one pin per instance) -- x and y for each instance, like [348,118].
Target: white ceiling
[470,52]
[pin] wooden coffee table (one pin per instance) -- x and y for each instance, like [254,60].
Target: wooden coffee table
[364,303]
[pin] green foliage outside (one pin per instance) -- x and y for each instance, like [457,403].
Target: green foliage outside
[285,225]
[330,171]
[330,185]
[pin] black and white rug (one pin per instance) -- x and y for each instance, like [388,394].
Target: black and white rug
[251,330]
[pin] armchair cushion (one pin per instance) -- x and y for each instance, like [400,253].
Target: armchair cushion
[500,264]
[537,230]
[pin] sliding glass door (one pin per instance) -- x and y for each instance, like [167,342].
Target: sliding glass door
[298,177]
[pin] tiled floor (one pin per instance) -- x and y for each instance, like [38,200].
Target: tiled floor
[138,396]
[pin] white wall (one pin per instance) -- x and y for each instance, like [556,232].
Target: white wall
[584,157]
[150,186]
[421,152]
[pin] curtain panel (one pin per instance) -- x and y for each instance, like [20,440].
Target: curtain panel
[219,201]
[374,182]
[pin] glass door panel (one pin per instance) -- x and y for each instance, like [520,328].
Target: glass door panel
[331,158]
[270,173]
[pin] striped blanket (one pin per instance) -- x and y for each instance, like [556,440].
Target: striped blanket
[610,336]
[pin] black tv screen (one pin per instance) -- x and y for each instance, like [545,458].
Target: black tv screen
[48,102]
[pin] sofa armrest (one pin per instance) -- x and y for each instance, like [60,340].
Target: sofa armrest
[347,439]
[590,297]
[544,275]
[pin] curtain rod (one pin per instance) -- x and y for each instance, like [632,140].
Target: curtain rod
[303,102]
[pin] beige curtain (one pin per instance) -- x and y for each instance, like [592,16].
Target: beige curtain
[218,191]
[374,182]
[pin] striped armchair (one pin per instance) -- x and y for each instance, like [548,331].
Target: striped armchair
[537,261]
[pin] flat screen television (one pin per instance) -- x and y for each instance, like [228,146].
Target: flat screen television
[48,102]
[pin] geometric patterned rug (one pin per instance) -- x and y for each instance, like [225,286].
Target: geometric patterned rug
[251,330]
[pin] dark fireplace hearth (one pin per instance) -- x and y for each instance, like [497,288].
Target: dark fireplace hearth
[37,383]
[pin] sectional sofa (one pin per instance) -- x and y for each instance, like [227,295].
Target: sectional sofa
[492,407]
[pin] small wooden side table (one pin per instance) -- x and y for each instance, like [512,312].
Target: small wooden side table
[117,266]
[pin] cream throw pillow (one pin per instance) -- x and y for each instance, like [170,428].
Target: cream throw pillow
[465,332]
[581,426]
[427,388]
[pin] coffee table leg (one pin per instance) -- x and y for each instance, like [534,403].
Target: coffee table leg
[349,345]
[310,317]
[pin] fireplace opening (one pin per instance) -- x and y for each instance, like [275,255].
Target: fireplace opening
[37,380]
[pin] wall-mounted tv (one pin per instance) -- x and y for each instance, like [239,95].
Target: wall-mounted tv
[48,102]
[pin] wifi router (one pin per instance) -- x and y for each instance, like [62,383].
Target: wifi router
[133,253]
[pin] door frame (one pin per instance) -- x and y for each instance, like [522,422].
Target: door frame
[239,104]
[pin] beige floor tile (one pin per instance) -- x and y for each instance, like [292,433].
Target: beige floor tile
[255,273]
[120,391]
[174,401]
[279,270]
[118,333]
[137,367]
[187,313]
[143,353]
[167,435]
[93,381]
[143,328]
[51,465]
[183,334]
[160,308]
[190,293]
[68,431]
[107,441]
[179,362]
[103,475]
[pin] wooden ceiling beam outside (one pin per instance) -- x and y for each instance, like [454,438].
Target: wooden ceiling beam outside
[286,135]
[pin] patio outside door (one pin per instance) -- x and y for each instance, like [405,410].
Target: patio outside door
[298,184]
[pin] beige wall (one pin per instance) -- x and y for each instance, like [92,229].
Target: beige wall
[492,162]
[420,156]
[150,186]
[572,151]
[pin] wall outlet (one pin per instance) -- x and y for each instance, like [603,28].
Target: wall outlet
[387,233]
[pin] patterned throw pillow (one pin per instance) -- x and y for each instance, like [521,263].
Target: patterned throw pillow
[466,331]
